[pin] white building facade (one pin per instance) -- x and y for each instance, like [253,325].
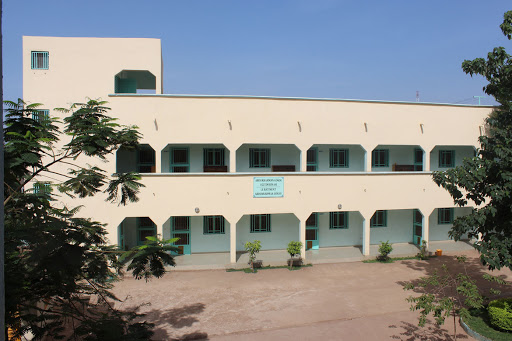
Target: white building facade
[223,170]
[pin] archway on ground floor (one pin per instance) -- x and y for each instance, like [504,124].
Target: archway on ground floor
[441,222]
[133,231]
[331,229]
[396,226]
[274,231]
[198,234]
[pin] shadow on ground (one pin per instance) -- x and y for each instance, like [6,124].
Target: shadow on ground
[176,318]
[410,332]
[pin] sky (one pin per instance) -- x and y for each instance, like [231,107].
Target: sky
[369,50]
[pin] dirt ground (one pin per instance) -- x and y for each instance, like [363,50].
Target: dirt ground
[345,301]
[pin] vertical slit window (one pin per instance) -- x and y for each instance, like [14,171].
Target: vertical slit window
[213,224]
[338,158]
[379,219]
[259,158]
[312,160]
[380,158]
[260,223]
[40,60]
[418,159]
[338,220]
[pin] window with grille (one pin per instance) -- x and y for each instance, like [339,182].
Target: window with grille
[446,158]
[145,159]
[40,60]
[338,158]
[181,230]
[338,220]
[312,160]
[312,221]
[445,216]
[179,160]
[259,158]
[380,158]
[260,223]
[213,156]
[213,224]
[41,187]
[41,116]
[145,228]
[379,219]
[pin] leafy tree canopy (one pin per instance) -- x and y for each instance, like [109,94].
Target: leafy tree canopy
[56,262]
[486,180]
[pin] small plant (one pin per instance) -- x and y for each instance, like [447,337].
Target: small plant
[500,314]
[445,294]
[293,249]
[423,254]
[385,249]
[253,248]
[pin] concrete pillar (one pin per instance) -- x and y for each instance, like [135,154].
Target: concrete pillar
[426,164]
[425,228]
[304,160]
[232,160]
[368,159]
[232,242]
[158,158]
[366,234]
[302,233]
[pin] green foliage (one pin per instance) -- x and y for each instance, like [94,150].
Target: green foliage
[478,321]
[444,294]
[253,248]
[385,249]
[486,180]
[56,261]
[294,248]
[500,313]
[423,254]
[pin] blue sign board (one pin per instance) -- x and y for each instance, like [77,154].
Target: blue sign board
[266,187]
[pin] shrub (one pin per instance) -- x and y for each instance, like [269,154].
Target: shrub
[293,249]
[253,248]
[500,314]
[385,249]
[423,254]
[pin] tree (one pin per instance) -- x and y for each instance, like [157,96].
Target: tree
[486,180]
[253,248]
[56,261]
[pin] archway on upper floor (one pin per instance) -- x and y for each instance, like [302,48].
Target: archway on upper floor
[134,81]
[140,159]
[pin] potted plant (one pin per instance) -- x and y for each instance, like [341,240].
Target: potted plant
[253,248]
[293,249]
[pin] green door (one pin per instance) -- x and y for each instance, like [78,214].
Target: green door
[181,229]
[417,227]
[312,232]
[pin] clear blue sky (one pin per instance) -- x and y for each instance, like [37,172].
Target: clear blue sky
[378,50]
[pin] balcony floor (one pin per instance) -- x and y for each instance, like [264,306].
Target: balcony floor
[220,260]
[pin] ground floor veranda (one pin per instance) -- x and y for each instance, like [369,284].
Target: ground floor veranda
[221,260]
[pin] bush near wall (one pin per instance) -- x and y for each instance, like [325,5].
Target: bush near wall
[500,313]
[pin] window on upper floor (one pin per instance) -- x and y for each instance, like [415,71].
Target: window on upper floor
[213,156]
[312,160]
[179,160]
[39,60]
[380,158]
[445,216]
[259,158]
[338,158]
[41,116]
[260,223]
[42,187]
[338,220]
[446,158]
[379,219]
[213,224]
[145,159]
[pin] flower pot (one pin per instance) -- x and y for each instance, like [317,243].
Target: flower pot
[439,252]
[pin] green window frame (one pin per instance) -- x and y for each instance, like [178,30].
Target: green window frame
[214,156]
[380,158]
[445,216]
[145,228]
[446,158]
[312,220]
[338,220]
[181,229]
[312,160]
[145,159]
[338,158]
[259,157]
[39,60]
[379,219]
[213,224]
[179,160]
[41,116]
[260,223]
[41,187]
[418,159]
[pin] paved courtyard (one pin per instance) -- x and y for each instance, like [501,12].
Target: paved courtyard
[336,301]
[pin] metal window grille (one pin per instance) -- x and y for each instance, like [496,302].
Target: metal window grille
[380,158]
[338,220]
[338,158]
[260,223]
[312,160]
[39,188]
[379,219]
[312,221]
[213,224]
[179,160]
[446,158]
[40,60]
[213,156]
[41,116]
[445,215]
[145,228]
[145,159]
[181,223]
[259,158]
